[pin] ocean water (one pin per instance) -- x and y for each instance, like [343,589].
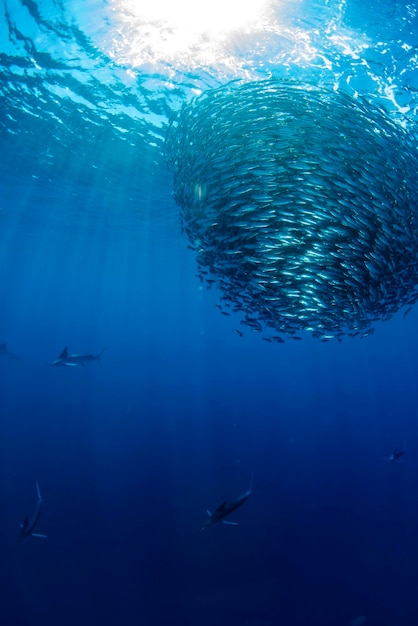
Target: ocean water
[181,412]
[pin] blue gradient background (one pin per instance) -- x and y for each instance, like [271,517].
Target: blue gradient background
[131,452]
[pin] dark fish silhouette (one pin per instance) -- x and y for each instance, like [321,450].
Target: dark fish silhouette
[396,455]
[72,360]
[226,508]
[4,351]
[29,524]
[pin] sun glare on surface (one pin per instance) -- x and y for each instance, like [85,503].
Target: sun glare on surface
[215,16]
[167,30]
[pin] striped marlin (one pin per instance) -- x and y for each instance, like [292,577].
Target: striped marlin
[29,524]
[227,507]
[72,360]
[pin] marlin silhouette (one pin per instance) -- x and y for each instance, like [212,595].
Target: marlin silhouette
[72,360]
[29,524]
[227,507]
[4,351]
[395,456]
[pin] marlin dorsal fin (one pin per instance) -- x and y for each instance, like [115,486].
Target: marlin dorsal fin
[64,353]
[221,507]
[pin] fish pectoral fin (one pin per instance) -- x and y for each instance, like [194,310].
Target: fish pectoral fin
[39,536]
[230,523]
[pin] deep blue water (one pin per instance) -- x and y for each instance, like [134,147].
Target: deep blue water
[181,411]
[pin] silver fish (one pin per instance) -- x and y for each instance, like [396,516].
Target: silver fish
[303,201]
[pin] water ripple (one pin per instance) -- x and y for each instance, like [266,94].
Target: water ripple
[76,75]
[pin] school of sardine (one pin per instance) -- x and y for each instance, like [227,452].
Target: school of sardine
[301,205]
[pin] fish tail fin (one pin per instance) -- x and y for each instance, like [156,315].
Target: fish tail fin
[99,356]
